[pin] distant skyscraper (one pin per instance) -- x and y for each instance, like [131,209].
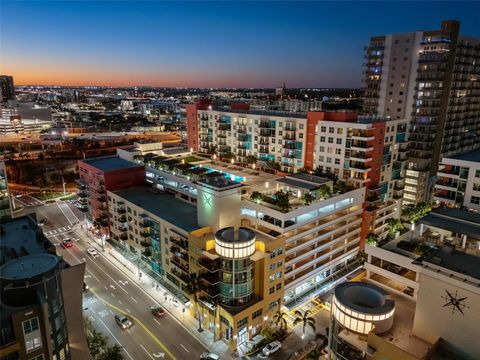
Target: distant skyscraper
[431,78]
[8,90]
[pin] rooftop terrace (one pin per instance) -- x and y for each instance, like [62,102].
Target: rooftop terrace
[167,207]
[473,156]
[19,238]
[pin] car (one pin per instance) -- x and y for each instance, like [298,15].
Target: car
[271,348]
[92,252]
[209,356]
[85,286]
[157,310]
[43,222]
[123,321]
[408,290]
[67,243]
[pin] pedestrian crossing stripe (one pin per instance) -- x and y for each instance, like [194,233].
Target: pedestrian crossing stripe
[58,231]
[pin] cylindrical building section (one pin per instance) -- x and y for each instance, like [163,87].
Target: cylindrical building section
[235,246]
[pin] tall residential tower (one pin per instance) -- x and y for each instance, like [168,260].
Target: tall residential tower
[431,78]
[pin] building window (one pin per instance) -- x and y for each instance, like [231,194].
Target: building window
[271,290]
[322,148]
[322,138]
[33,344]
[38,357]
[279,263]
[279,251]
[272,266]
[279,273]
[477,173]
[339,141]
[337,161]
[475,200]
[330,140]
[279,286]
[323,129]
[340,131]
[30,325]
[273,304]
[242,323]
[331,130]
[271,278]
[338,151]
[257,314]
[476,186]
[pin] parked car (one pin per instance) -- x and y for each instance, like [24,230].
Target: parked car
[408,290]
[272,348]
[85,286]
[157,310]
[67,243]
[43,222]
[123,321]
[209,356]
[92,252]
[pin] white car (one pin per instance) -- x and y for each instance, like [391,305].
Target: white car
[209,356]
[92,252]
[272,348]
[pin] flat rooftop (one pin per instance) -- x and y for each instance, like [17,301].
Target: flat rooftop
[19,238]
[304,181]
[110,163]
[473,156]
[167,207]
[297,115]
[219,183]
[457,261]
[455,220]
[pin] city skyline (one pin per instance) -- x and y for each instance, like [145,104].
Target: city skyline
[82,44]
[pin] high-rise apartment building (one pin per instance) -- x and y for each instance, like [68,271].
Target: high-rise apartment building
[5,196]
[252,252]
[41,297]
[7,88]
[431,78]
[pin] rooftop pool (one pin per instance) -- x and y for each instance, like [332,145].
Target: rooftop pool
[226,174]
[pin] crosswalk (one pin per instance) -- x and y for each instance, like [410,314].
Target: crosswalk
[58,231]
[34,203]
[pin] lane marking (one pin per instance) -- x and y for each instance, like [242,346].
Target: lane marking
[113,295]
[184,348]
[63,212]
[129,311]
[120,302]
[143,347]
[147,330]
[134,299]
[119,343]
[158,322]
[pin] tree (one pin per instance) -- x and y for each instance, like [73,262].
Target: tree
[256,196]
[196,286]
[305,320]
[325,191]
[114,352]
[339,187]
[96,341]
[372,239]
[282,200]
[280,319]
[394,225]
[308,198]
[250,159]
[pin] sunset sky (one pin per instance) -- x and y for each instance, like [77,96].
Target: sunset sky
[206,44]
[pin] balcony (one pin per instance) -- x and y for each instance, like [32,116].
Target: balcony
[145,244]
[226,127]
[124,237]
[101,199]
[289,145]
[211,278]
[181,275]
[179,265]
[121,210]
[145,234]
[289,137]
[360,167]
[179,253]
[210,265]
[122,218]
[180,243]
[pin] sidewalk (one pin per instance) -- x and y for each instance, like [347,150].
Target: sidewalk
[160,295]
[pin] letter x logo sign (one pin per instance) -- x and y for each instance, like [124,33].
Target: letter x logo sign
[208,200]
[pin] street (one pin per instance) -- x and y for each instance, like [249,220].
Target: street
[110,292]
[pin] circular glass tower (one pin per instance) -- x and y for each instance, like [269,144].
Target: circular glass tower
[235,246]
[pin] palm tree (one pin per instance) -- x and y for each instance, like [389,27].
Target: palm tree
[256,196]
[280,319]
[283,201]
[196,286]
[308,198]
[114,352]
[305,320]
